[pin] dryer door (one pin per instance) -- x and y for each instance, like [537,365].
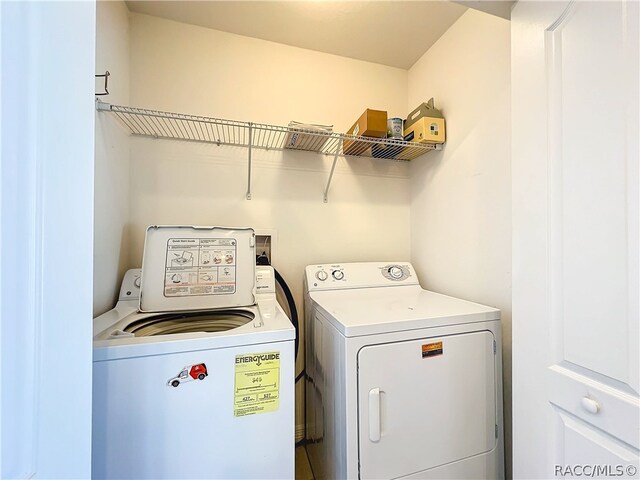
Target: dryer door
[425,403]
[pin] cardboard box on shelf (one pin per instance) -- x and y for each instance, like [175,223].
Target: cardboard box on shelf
[426,130]
[372,123]
[425,124]
[426,109]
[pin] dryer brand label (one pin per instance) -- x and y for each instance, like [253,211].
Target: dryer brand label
[200,266]
[257,383]
[432,349]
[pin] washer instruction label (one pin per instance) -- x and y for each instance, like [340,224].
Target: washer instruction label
[257,383]
[200,266]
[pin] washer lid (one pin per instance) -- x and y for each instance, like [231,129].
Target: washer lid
[197,268]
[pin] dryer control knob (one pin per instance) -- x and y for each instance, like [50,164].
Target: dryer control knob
[321,275]
[395,271]
[338,274]
[136,282]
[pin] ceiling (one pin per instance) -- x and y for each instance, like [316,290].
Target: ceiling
[394,33]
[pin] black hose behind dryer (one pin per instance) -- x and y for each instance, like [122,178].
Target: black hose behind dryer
[292,307]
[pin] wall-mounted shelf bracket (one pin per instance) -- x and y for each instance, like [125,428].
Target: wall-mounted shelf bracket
[249,161]
[325,197]
[102,106]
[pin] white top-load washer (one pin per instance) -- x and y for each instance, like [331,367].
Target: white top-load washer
[401,382]
[193,370]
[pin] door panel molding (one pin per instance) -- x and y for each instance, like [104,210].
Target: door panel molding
[590,259]
[616,452]
[619,412]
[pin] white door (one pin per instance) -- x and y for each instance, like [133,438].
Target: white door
[426,403]
[575,241]
[47,67]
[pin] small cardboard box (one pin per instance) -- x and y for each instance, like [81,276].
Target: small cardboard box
[372,123]
[427,109]
[426,130]
[425,124]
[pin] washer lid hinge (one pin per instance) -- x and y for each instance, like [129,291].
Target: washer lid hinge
[496,431]
[494,347]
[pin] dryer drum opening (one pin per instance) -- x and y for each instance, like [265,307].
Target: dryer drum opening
[211,322]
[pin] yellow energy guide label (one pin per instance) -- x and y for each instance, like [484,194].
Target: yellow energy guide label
[257,383]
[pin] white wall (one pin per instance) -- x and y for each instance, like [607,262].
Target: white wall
[189,69]
[111,208]
[461,196]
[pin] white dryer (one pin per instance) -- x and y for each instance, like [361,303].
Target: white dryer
[193,370]
[401,382]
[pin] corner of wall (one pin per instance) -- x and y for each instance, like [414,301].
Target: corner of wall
[461,196]
[112,154]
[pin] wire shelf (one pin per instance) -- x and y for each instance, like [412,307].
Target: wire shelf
[177,126]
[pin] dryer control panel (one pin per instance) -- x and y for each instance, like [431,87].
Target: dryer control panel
[336,276]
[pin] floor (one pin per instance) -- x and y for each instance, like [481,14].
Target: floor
[303,469]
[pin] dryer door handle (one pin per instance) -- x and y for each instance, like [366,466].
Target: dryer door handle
[374,415]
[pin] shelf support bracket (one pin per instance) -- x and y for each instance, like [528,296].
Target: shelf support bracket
[102,106]
[249,161]
[325,197]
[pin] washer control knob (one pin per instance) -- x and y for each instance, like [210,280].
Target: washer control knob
[321,275]
[136,282]
[395,271]
[338,274]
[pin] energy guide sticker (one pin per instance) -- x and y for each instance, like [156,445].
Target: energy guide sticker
[257,383]
[432,349]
